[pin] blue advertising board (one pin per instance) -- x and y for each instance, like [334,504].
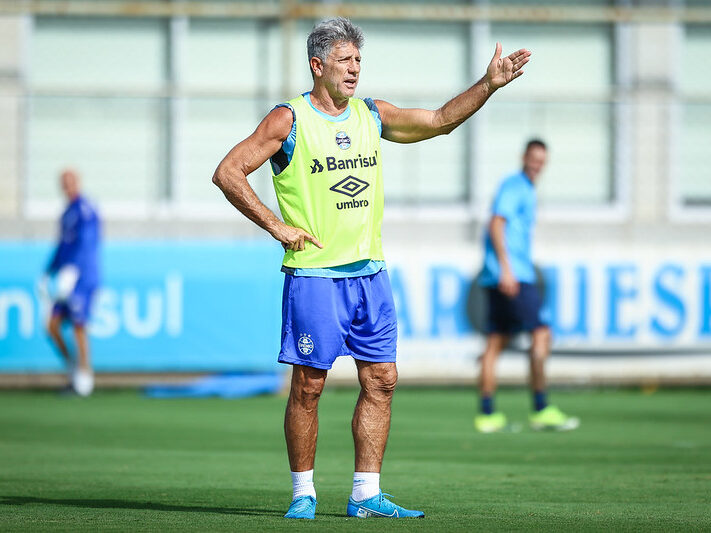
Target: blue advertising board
[215,306]
[162,306]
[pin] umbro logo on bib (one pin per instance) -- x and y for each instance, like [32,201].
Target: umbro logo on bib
[350,186]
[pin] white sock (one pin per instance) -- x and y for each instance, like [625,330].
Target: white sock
[365,485]
[303,483]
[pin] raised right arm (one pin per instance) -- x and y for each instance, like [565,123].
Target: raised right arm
[245,158]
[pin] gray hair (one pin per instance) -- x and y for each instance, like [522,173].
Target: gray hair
[329,32]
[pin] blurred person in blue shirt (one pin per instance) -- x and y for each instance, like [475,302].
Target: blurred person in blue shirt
[75,269]
[514,303]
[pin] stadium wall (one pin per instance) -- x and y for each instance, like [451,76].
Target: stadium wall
[617,315]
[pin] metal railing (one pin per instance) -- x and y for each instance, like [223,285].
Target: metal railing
[293,10]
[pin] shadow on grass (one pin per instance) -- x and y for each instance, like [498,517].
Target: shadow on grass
[142,506]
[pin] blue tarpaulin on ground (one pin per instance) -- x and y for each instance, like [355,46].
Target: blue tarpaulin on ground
[221,386]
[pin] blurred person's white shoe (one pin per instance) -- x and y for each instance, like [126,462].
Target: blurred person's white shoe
[83,382]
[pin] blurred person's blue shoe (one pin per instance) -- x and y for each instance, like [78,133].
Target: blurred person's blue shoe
[302,507]
[379,506]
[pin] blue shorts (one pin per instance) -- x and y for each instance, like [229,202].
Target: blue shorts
[323,318]
[517,314]
[77,307]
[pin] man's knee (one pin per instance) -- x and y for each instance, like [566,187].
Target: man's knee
[380,380]
[307,386]
[79,330]
[490,356]
[541,345]
[495,343]
[53,326]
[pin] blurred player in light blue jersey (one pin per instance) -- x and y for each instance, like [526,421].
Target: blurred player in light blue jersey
[513,299]
[75,268]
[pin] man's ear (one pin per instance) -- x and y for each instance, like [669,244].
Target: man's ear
[316,66]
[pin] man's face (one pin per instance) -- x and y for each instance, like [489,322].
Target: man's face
[340,71]
[533,161]
[70,184]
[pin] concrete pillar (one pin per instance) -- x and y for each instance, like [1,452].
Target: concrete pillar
[11,30]
[654,61]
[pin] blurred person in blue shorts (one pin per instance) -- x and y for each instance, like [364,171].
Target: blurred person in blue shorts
[514,303]
[74,270]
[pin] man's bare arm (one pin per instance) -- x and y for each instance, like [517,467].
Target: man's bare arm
[412,125]
[245,158]
[497,231]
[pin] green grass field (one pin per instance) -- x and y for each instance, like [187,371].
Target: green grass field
[122,462]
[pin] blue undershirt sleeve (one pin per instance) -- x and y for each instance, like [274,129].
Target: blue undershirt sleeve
[282,158]
[376,114]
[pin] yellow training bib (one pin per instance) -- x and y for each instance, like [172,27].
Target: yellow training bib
[333,187]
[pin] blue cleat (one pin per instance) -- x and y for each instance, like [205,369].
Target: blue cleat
[379,506]
[302,507]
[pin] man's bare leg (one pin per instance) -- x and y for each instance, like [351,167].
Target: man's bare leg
[495,343]
[488,420]
[83,358]
[545,416]
[83,379]
[371,418]
[54,327]
[301,418]
[540,350]
[301,431]
[371,426]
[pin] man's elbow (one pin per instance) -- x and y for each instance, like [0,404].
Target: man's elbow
[496,224]
[219,178]
[448,127]
[440,124]
[228,175]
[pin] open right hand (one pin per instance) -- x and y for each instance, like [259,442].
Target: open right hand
[503,70]
[292,238]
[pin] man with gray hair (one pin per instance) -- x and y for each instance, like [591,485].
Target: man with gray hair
[325,154]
